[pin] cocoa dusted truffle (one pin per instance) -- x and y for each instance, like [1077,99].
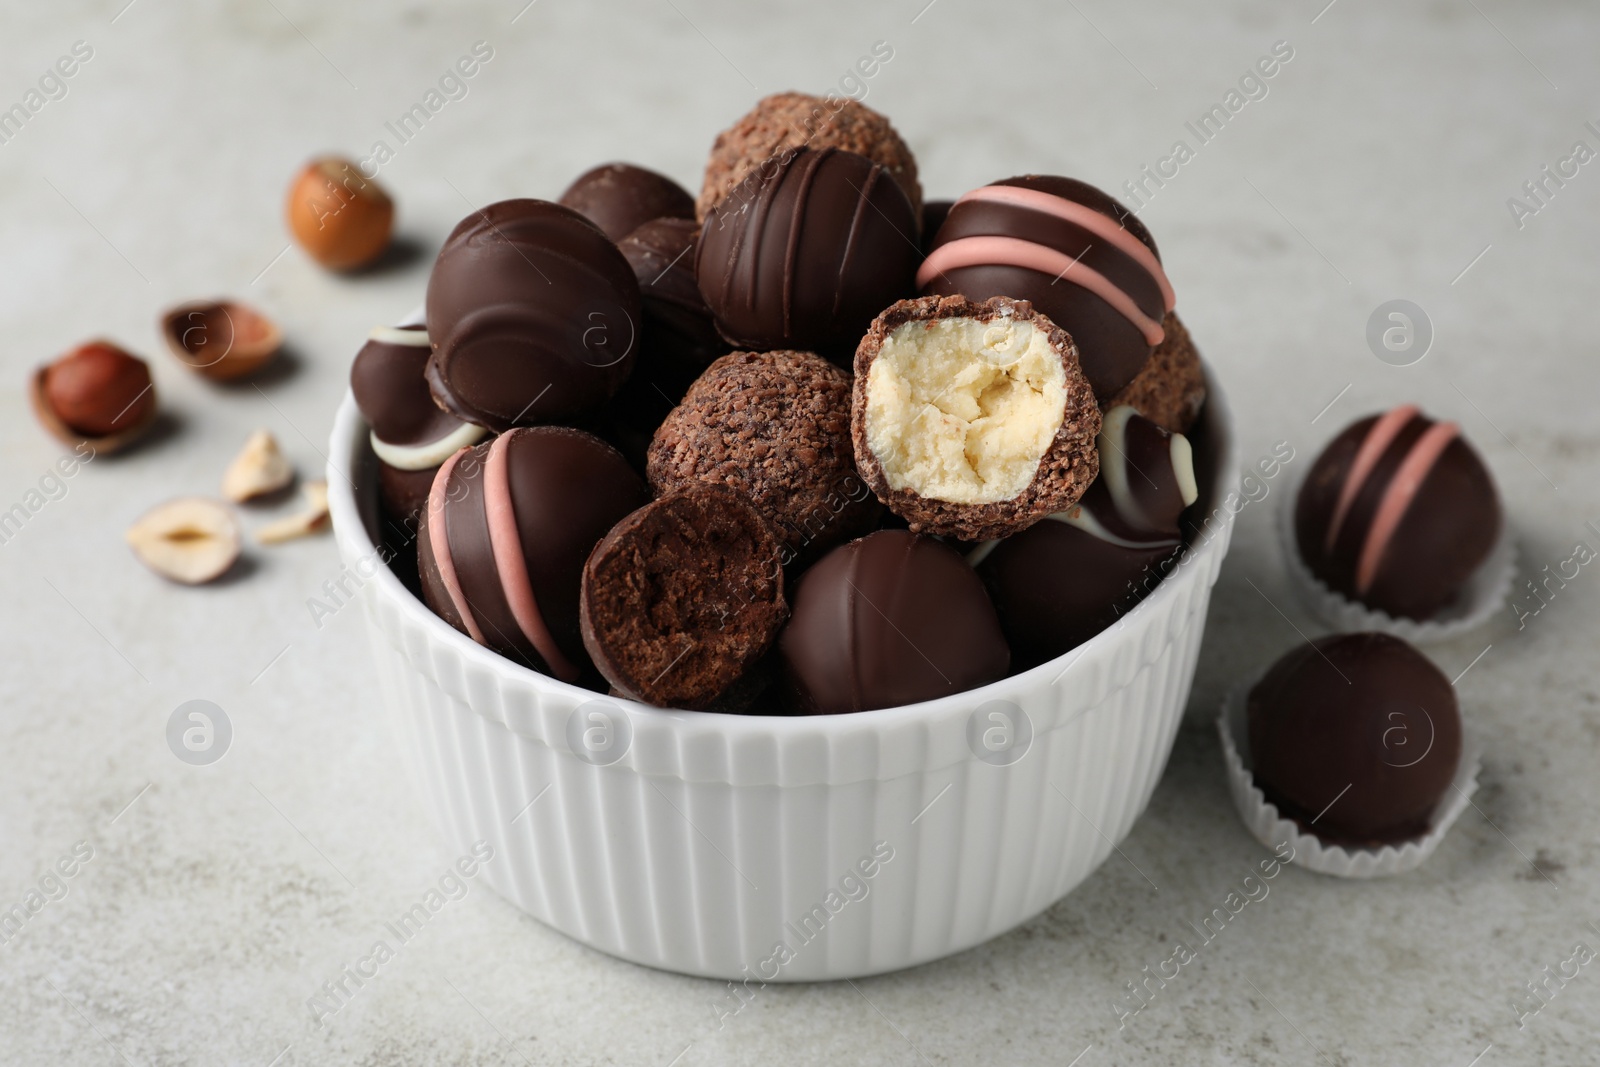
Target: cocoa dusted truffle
[893,618]
[806,252]
[508,527]
[1077,254]
[534,316]
[683,596]
[678,342]
[1356,737]
[775,426]
[972,420]
[1061,581]
[786,121]
[410,434]
[1397,512]
[620,197]
[1171,389]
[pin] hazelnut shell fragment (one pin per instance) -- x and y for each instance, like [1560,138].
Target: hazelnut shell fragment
[221,339]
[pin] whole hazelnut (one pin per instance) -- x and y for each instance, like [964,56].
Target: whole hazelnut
[98,389]
[340,217]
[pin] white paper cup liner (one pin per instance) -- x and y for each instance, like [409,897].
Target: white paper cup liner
[1484,594]
[1270,828]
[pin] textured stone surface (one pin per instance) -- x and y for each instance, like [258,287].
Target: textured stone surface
[224,896]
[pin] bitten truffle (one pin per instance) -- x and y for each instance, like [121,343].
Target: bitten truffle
[972,420]
[1398,512]
[1061,581]
[508,527]
[1356,737]
[683,596]
[803,254]
[776,427]
[786,121]
[1077,254]
[893,618]
[1171,389]
[534,317]
[620,197]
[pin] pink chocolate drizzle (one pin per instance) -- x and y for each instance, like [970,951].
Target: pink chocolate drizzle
[1397,497]
[506,541]
[440,539]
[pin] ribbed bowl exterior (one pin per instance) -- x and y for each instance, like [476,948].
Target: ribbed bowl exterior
[784,848]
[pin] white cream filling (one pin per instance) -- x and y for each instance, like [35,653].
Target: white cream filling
[961,410]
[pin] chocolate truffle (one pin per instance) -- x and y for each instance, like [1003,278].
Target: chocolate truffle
[508,527]
[775,426]
[934,212]
[972,420]
[620,197]
[1061,581]
[1397,513]
[410,434]
[534,316]
[1356,737]
[1077,254]
[1171,389]
[679,339]
[786,121]
[803,254]
[893,618]
[683,596]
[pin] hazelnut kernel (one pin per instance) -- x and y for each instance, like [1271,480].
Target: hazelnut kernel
[98,389]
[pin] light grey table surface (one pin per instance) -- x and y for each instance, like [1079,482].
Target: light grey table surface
[219,899]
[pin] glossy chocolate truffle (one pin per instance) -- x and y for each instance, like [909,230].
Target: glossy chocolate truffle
[1356,737]
[893,618]
[1171,389]
[534,316]
[972,420]
[679,338]
[410,434]
[509,525]
[786,121]
[934,212]
[1397,513]
[1077,254]
[683,596]
[1063,580]
[620,197]
[775,426]
[803,254]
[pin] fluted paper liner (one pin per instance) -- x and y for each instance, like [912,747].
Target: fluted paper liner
[1272,829]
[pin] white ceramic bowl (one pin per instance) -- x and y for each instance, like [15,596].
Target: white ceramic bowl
[786,848]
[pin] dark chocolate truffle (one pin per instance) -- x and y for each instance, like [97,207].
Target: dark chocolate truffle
[775,426]
[1356,737]
[1171,389]
[803,254]
[1077,254]
[1397,513]
[679,339]
[893,618]
[1061,581]
[509,525]
[786,121]
[534,316]
[410,434]
[620,197]
[934,212]
[972,420]
[683,597]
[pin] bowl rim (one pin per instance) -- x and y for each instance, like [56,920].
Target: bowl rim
[1200,557]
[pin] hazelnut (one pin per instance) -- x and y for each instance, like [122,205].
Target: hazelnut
[97,392]
[190,540]
[221,339]
[313,518]
[341,218]
[258,470]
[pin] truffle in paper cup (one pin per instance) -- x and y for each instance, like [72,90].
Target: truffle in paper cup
[1272,829]
[1484,593]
